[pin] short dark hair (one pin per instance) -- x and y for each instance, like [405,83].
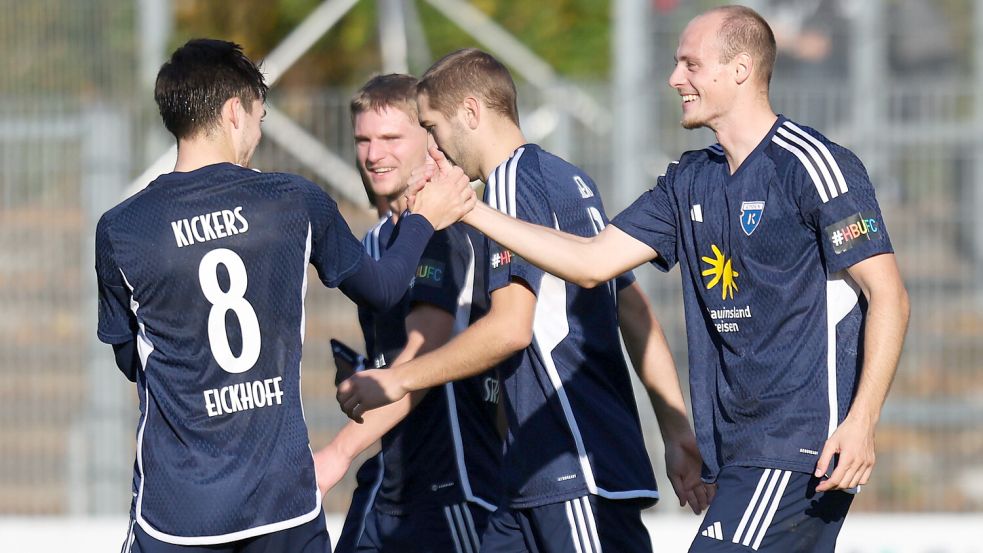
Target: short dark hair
[469,71]
[394,90]
[199,78]
[744,30]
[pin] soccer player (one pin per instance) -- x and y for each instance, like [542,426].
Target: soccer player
[441,464]
[795,309]
[201,281]
[576,471]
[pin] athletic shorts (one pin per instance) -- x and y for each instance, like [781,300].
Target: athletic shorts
[444,529]
[588,524]
[310,537]
[368,479]
[773,511]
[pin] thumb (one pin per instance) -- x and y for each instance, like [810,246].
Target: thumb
[438,157]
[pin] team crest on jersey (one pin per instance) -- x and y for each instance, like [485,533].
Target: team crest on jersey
[751,215]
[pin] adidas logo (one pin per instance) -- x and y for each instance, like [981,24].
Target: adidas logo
[714,531]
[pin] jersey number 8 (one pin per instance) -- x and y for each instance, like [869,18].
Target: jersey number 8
[222,302]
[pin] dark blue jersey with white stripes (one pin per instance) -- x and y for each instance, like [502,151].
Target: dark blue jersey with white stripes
[447,450]
[207,270]
[774,322]
[573,422]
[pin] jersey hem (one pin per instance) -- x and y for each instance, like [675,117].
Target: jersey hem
[606,494]
[232,536]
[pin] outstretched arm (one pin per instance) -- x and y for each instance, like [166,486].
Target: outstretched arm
[506,329]
[584,261]
[652,360]
[887,321]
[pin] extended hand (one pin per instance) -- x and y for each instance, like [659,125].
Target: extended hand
[368,390]
[445,197]
[683,466]
[854,442]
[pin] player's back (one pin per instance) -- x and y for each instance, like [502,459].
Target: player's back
[216,261]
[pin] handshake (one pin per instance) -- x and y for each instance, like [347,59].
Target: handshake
[440,191]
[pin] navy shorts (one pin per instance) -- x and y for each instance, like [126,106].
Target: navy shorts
[444,529]
[773,511]
[368,479]
[588,524]
[310,537]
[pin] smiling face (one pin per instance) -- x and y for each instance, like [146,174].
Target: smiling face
[388,146]
[705,84]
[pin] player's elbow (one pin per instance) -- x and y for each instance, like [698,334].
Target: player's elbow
[515,337]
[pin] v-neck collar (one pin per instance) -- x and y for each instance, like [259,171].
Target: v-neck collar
[756,151]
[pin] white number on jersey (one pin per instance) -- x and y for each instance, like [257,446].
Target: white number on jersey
[222,302]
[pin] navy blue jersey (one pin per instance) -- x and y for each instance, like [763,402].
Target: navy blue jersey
[774,322]
[573,422]
[447,450]
[208,271]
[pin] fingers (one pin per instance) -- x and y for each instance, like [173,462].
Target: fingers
[829,449]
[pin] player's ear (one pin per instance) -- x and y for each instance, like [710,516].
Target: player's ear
[471,111]
[743,65]
[232,111]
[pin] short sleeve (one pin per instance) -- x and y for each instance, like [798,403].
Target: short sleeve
[838,203]
[522,196]
[441,273]
[117,324]
[335,252]
[651,219]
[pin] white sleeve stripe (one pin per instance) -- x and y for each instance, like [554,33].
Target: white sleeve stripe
[840,181]
[807,163]
[817,160]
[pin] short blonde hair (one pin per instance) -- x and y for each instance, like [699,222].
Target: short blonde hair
[469,72]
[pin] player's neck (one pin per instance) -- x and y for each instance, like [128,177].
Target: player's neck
[397,206]
[498,147]
[197,153]
[741,132]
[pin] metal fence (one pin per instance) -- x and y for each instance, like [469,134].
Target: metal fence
[67,417]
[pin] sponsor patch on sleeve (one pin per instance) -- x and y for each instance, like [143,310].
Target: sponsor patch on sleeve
[855,229]
[501,258]
[429,272]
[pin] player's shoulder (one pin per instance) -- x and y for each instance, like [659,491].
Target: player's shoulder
[802,150]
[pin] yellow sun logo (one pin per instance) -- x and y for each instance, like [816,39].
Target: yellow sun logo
[720,269]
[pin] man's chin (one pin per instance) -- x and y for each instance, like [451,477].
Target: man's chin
[691,124]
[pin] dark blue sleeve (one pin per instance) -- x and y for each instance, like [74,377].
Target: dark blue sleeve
[443,270]
[381,284]
[523,196]
[335,252]
[651,220]
[843,211]
[117,324]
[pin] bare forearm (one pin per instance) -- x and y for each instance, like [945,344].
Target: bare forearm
[887,321]
[570,257]
[354,438]
[649,353]
[482,346]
